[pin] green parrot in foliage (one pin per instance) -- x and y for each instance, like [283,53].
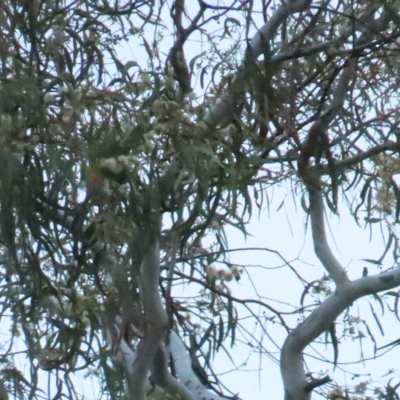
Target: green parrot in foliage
[113,171]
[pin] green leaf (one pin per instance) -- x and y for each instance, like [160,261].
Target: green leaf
[226,25]
[376,319]
[372,220]
[369,260]
[194,59]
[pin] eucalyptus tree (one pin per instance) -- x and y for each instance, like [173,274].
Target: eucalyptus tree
[133,132]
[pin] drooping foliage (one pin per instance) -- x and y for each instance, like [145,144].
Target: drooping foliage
[134,133]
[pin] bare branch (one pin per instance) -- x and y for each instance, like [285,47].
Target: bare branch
[156,319]
[184,370]
[351,161]
[316,383]
[295,380]
[261,39]
[321,246]
[163,378]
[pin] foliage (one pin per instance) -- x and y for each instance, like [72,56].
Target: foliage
[123,161]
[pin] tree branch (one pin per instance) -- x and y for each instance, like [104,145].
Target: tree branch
[292,370]
[183,367]
[156,321]
[221,113]
[163,378]
[294,378]
[321,246]
[350,161]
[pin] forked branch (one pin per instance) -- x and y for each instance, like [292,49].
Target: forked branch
[297,386]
